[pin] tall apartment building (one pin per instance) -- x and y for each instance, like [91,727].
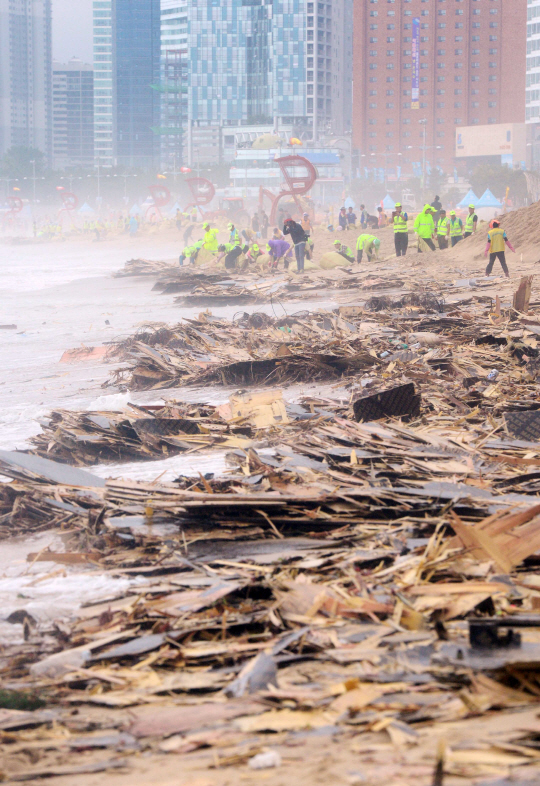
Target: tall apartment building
[104,148]
[532,110]
[127,75]
[173,87]
[424,67]
[73,114]
[25,75]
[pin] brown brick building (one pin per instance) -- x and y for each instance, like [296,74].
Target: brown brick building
[470,70]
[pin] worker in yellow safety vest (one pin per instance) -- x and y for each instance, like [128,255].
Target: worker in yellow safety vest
[210,238]
[443,229]
[368,243]
[496,242]
[401,231]
[471,222]
[456,228]
[424,227]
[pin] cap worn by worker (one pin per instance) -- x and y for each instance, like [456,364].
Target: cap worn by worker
[255,247]
[229,225]
[205,225]
[337,242]
[398,204]
[452,212]
[306,215]
[471,207]
[376,242]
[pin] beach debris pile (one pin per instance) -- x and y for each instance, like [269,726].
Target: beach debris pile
[365,572]
[331,585]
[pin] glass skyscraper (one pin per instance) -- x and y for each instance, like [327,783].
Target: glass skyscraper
[137,45]
[127,73]
[230,60]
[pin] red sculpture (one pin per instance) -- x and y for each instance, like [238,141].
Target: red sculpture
[70,200]
[298,183]
[202,191]
[161,196]
[15,204]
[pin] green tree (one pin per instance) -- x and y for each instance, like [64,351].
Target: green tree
[17,162]
[498,178]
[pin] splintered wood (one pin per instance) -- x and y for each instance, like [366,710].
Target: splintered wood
[321,588]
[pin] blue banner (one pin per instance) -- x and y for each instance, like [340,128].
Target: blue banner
[415,102]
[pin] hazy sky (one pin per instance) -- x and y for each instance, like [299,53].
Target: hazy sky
[72,30]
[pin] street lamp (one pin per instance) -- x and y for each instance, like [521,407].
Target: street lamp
[125,183]
[71,178]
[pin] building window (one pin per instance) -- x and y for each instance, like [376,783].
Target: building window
[441,79]
[440,105]
[372,106]
[475,121]
[475,104]
[458,121]
[457,104]
[406,134]
[440,134]
[372,121]
[389,106]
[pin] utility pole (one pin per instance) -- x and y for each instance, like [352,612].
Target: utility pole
[34,178]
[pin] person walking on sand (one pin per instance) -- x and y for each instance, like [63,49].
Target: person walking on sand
[496,241]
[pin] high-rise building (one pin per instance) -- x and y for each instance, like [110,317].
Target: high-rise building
[104,152]
[73,114]
[286,63]
[424,67]
[25,75]
[173,87]
[136,76]
[127,76]
[532,110]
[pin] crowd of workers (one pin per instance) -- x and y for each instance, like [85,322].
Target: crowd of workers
[433,226]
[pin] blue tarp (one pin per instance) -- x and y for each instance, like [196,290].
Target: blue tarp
[488,200]
[349,203]
[86,209]
[388,203]
[468,199]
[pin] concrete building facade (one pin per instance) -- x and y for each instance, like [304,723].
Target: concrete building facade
[424,67]
[532,110]
[26,75]
[73,114]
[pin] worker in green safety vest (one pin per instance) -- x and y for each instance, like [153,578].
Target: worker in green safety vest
[368,243]
[401,231]
[343,250]
[443,229]
[210,238]
[471,222]
[424,226]
[234,236]
[456,228]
